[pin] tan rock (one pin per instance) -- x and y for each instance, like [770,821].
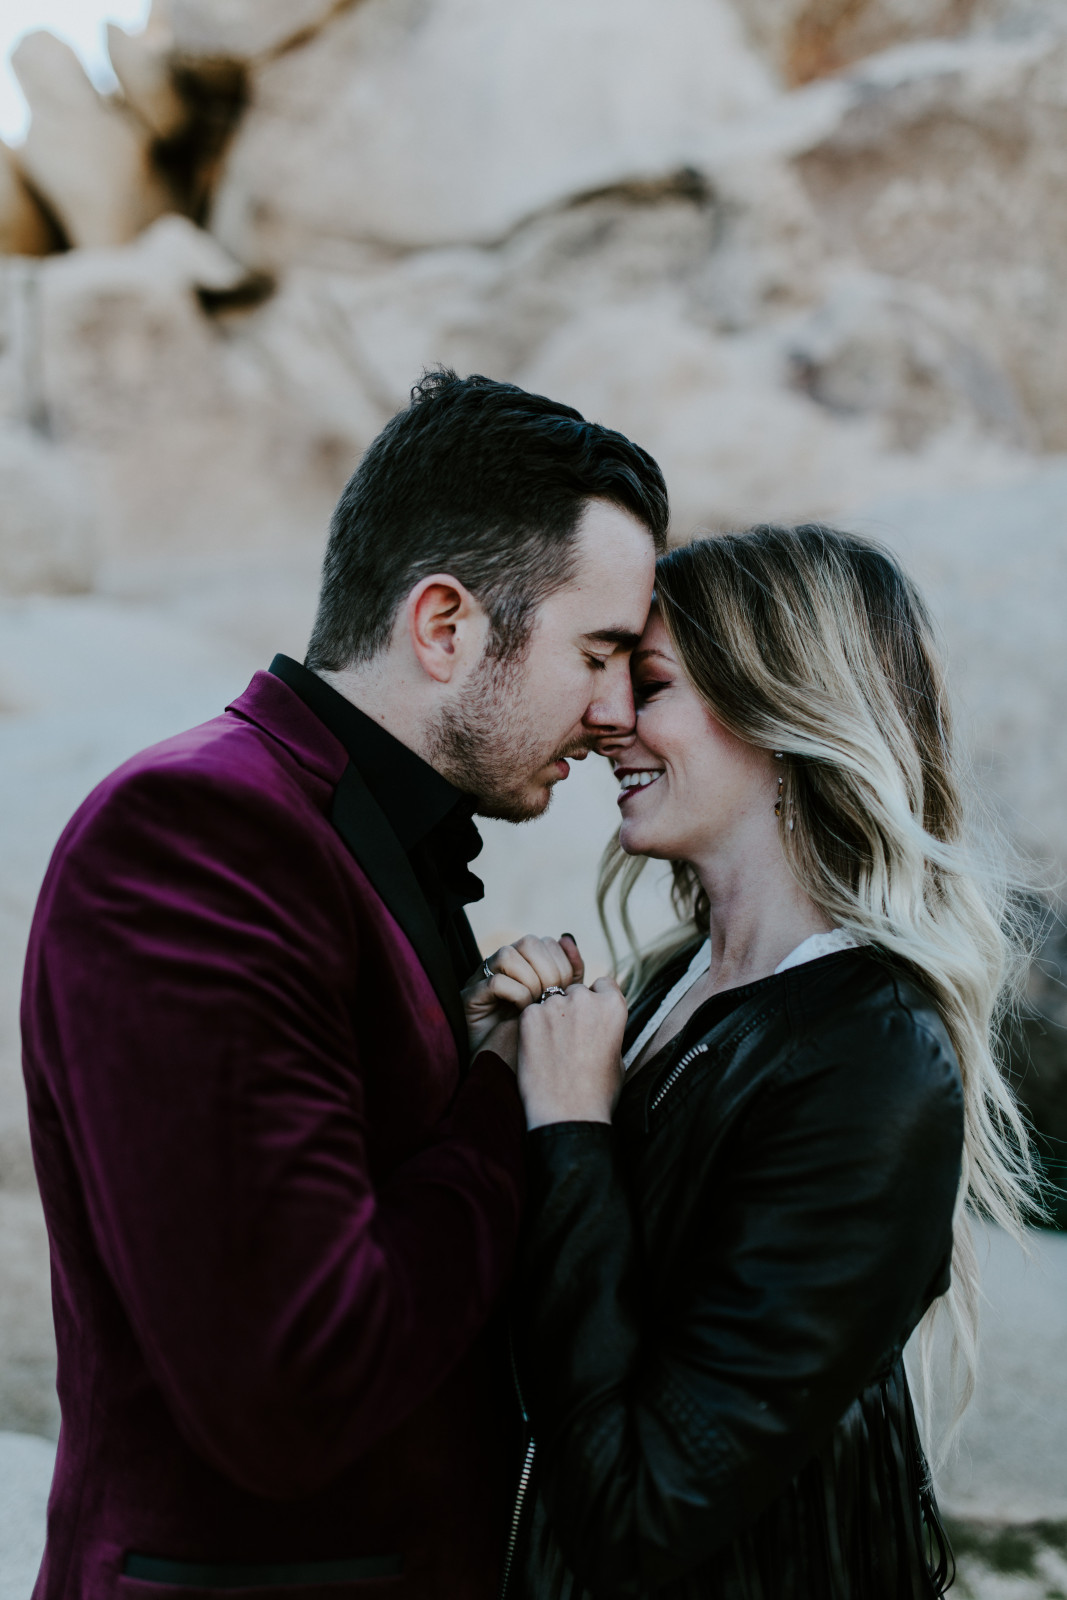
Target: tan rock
[143,70]
[736,442]
[502,117]
[899,350]
[945,167]
[20,343]
[89,159]
[992,561]
[47,532]
[808,39]
[24,228]
[192,441]
[244,29]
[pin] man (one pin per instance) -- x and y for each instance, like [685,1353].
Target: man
[281,1204]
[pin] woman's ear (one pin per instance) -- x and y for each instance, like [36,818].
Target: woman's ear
[446,625]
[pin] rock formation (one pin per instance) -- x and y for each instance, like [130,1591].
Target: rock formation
[809,252]
[47,532]
[943,168]
[505,115]
[809,39]
[24,228]
[243,30]
[810,291]
[143,67]
[88,158]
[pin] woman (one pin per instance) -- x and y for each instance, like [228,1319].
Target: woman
[725,1257]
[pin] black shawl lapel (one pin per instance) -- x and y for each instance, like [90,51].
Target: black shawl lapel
[365,829]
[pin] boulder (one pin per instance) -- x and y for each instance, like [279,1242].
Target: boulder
[47,532]
[992,562]
[899,350]
[89,159]
[172,257]
[944,167]
[736,443]
[502,116]
[192,439]
[24,228]
[142,66]
[808,39]
[241,30]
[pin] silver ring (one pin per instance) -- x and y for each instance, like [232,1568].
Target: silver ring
[487,969]
[553,988]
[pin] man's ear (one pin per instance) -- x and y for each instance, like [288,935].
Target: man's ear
[446,626]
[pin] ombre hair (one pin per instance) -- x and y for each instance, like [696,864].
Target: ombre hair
[814,643]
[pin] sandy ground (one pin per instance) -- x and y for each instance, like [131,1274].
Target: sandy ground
[25,1476]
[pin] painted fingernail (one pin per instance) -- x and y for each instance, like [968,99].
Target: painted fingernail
[569,936]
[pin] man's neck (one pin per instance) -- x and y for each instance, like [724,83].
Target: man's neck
[377,694]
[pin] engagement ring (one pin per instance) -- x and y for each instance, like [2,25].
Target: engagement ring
[553,988]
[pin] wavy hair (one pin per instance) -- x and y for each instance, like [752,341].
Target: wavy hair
[814,642]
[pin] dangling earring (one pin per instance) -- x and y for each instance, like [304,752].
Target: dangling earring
[779,755]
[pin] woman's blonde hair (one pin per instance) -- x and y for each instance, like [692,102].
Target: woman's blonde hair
[813,642]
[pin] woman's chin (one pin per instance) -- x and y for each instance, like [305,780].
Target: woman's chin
[637,841]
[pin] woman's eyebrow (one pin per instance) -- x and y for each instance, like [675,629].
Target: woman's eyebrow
[640,655]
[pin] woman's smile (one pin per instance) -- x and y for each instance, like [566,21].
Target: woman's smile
[633,779]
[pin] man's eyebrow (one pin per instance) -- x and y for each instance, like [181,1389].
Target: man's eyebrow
[623,637]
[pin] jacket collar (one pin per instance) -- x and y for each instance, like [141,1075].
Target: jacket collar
[282,715]
[413,795]
[276,709]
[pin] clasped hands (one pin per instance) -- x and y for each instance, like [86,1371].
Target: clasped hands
[566,1048]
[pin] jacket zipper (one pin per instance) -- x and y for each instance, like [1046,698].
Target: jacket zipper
[528,1458]
[675,1073]
[524,1480]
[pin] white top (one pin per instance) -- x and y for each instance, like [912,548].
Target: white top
[810,949]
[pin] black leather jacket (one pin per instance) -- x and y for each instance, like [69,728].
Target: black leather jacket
[715,1292]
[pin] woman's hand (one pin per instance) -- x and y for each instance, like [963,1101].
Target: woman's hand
[521,973]
[570,1049]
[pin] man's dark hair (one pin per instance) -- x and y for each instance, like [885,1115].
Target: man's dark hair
[481,480]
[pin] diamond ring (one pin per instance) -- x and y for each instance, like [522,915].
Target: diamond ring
[553,988]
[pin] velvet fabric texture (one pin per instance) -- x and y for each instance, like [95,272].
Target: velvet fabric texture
[280,1212]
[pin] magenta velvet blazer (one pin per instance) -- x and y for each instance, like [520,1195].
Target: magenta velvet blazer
[280,1214]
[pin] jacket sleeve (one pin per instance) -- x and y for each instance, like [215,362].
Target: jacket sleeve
[664,1428]
[216,1036]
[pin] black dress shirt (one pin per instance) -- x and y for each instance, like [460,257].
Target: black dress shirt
[432,819]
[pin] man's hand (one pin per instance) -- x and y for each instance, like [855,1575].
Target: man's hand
[521,973]
[570,1048]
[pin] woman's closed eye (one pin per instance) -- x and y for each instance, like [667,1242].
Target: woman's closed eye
[645,688]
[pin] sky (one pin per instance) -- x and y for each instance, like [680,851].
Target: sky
[80,22]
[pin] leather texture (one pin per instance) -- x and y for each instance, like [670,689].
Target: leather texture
[714,1293]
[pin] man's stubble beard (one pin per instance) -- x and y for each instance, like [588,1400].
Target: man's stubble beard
[486,746]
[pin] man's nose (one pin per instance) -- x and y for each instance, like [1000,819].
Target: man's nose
[611,714]
[613,746]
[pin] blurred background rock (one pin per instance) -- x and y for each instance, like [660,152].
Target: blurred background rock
[811,253]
